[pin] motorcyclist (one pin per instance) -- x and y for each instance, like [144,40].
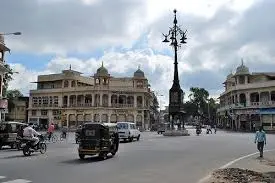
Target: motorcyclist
[30,134]
[198,128]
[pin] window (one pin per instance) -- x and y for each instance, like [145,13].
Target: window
[39,100]
[122,125]
[50,100]
[34,100]
[44,112]
[55,99]
[45,100]
[73,84]
[132,126]
[66,84]
[97,81]
[56,112]
[139,84]
[33,112]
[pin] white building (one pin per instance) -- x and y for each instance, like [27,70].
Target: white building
[3,70]
[248,100]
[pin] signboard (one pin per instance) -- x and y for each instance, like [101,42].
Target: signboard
[3,104]
[267,111]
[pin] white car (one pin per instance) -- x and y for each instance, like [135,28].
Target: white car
[128,131]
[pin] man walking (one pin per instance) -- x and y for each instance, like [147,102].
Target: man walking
[260,139]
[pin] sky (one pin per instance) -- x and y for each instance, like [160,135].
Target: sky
[124,34]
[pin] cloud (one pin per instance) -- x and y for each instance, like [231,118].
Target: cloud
[220,33]
[61,27]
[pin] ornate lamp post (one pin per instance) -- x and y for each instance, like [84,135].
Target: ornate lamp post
[175,93]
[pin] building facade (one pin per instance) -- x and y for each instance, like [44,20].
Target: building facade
[69,99]
[3,70]
[18,109]
[248,101]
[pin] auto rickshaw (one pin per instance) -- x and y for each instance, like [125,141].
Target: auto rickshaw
[98,139]
[8,133]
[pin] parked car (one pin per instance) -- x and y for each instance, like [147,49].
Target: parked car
[128,131]
[8,133]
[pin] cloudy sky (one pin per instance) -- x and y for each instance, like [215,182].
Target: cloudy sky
[127,33]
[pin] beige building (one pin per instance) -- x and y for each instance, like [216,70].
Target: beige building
[68,98]
[3,70]
[248,100]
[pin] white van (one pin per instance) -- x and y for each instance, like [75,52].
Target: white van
[128,131]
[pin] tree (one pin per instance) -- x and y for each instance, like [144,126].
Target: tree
[6,79]
[11,95]
[199,97]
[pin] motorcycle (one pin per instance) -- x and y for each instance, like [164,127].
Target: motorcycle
[198,131]
[20,142]
[41,146]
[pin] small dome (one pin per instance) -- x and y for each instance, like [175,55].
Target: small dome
[139,73]
[242,70]
[102,71]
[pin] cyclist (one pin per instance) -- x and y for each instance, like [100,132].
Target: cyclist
[50,131]
[64,131]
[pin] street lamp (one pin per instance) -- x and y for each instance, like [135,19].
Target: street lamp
[11,33]
[177,37]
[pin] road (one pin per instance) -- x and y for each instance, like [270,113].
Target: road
[154,159]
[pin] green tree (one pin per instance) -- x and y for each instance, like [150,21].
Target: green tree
[199,97]
[6,79]
[11,95]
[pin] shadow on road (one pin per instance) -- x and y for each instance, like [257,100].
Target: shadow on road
[19,156]
[92,159]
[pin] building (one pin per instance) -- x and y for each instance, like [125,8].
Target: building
[68,98]
[3,70]
[248,100]
[18,109]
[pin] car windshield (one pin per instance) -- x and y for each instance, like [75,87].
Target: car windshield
[122,125]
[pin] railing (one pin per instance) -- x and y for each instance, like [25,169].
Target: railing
[122,105]
[45,105]
[248,105]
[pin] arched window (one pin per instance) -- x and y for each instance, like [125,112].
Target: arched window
[66,84]
[97,81]
[73,84]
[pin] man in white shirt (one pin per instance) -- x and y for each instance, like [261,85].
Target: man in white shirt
[30,134]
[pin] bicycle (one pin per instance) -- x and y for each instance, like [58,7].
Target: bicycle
[63,136]
[53,138]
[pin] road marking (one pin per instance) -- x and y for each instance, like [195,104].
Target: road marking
[204,179]
[18,181]
[2,177]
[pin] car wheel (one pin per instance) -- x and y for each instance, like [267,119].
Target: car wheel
[81,156]
[13,146]
[138,137]
[158,132]
[130,139]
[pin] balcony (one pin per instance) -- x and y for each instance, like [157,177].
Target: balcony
[250,86]
[265,104]
[45,105]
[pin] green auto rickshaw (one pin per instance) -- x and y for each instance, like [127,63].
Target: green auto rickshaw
[98,139]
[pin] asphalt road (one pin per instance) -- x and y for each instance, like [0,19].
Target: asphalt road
[154,159]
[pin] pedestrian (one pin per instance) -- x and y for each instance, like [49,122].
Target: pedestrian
[215,129]
[260,139]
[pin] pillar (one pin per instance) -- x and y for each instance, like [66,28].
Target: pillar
[100,101]
[110,100]
[135,101]
[245,79]
[247,98]
[109,118]
[67,120]
[93,99]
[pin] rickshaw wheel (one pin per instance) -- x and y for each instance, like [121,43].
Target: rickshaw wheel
[103,155]
[81,156]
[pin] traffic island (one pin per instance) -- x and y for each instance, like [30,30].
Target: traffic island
[233,175]
[173,133]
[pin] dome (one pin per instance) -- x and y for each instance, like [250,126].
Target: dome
[102,71]
[139,73]
[242,70]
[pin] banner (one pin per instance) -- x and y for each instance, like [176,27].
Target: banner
[3,104]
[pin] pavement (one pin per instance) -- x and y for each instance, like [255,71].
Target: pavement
[154,158]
